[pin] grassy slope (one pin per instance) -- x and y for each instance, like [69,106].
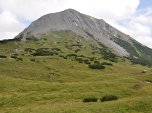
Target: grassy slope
[56,85]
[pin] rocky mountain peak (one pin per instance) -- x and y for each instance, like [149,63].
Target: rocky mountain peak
[81,24]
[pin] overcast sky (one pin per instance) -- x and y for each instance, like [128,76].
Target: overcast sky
[133,17]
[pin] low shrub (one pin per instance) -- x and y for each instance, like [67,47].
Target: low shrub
[86,61]
[56,49]
[32,59]
[96,66]
[90,99]
[108,98]
[19,59]
[2,56]
[77,50]
[14,55]
[79,59]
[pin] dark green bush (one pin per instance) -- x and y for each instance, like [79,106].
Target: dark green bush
[56,49]
[14,55]
[32,59]
[126,45]
[65,57]
[90,99]
[77,50]
[96,66]
[108,98]
[44,38]
[19,59]
[87,62]
[45,52]
[80,60]
[107,54]
[2,56]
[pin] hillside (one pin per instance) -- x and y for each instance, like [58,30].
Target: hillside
[53,70]
[51,74]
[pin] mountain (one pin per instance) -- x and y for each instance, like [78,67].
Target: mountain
[87,26]
[80,24]
[64,60]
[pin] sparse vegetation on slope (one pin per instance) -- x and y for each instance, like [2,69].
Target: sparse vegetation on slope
[139,54]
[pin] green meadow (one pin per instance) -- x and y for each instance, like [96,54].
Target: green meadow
[51,75]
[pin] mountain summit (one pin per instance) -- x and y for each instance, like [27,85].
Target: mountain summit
[87,26]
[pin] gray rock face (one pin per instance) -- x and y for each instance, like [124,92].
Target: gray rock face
[80,24]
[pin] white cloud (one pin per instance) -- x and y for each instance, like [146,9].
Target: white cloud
[138,26]
[8,35]
[31,9]
[107,9]
[123,14]
[9,25]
